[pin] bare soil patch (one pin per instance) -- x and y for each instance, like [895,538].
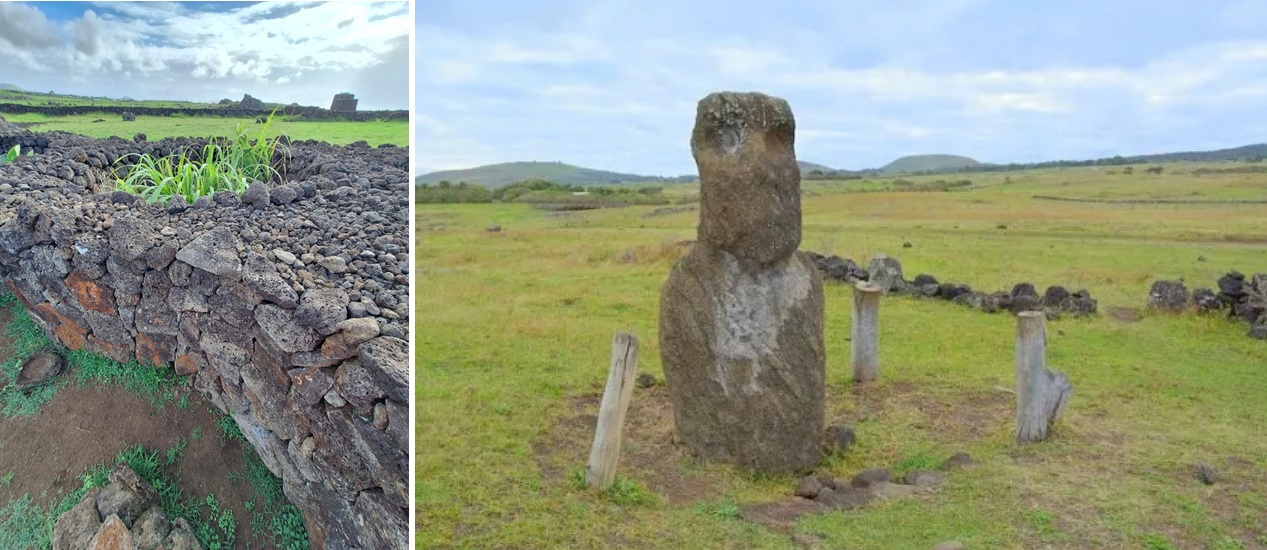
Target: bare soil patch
[82,427]
[648,453]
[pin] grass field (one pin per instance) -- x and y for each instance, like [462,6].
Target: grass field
[43,98]
[338,132]
[515,328]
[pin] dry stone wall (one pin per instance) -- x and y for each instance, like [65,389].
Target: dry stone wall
[306,112]
[287,307]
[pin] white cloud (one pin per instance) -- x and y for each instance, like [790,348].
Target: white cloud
[278,51]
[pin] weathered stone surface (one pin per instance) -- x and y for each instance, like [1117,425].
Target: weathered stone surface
[741,315]
[387,361]
[155,349]
[151,529]
[886,272]
[91,294]
[357,384]
[131,238]
[256,195]
[113,535]
[127,495]
[162,255]
[280,326]
[352,332]
[260,275]
[214,252]
[1168,296]
[75,529]
[782,514]
[187,364]
[322,309]
[38,369]
[744,359]
[957,460]
[309,385]
[398,424]
[383,521]
[867,478]
[750,200]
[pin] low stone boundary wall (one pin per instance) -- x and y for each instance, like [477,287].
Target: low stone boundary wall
[886,272]
[315,113]
[287,307]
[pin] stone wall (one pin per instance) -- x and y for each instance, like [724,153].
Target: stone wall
[315,113]
[287,307]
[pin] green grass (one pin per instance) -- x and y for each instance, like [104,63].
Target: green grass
[25,524]
[519,324]
[338,132]
[270,511]
[27,339]
[229,164]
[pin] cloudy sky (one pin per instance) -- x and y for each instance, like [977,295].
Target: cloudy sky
[613,84]
[284,52]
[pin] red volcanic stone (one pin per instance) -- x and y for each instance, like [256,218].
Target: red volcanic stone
[155,349]
[189,363]
[119,352]
[91,294]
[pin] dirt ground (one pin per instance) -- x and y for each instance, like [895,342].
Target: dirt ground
[83,427]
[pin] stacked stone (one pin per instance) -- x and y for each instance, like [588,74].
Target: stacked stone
[126,513]
[741,315]
[886,272]
[307,112]
[11,135]
[289,313]
[1244,298]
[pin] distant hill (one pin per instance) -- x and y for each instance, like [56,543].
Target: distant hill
[501,175]
[11,87]
[807,167]
[1246,152]
[928,163]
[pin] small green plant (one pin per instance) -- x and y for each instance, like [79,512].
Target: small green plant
[13,154]
[197,434]
[923,458]
[723,509]
[1155,541]
[224,164]
[6,479]
[228,428]
[627,492]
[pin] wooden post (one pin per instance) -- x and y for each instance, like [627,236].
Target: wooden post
[601,470]
[1041,394]
[865,336]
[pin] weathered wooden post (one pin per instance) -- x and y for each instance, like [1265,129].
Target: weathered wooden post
[601,470]
[865,334]
[1041,394]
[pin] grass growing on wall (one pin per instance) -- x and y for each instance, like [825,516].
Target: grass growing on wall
[229,164]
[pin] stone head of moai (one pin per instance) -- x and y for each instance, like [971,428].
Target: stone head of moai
[750,185]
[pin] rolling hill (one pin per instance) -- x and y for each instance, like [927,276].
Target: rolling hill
[807,167]
[11,87]
[506,173]
[928,163]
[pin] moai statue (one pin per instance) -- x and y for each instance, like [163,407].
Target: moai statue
[741,316]
[344,102]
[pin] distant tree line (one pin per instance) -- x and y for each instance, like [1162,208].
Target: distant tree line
[539,191]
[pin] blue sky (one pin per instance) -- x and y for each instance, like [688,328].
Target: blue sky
[285,52]
[613,84]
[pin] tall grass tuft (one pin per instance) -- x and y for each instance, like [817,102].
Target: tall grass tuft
[225,164]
